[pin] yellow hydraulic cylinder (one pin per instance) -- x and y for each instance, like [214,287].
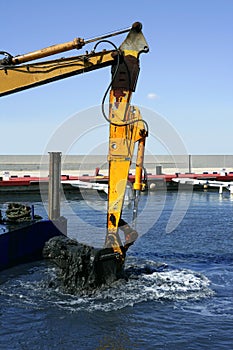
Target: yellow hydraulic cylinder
[138,185]
[77,43]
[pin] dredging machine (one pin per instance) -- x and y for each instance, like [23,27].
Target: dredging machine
[126,126]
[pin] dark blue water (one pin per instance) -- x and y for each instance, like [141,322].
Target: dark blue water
[180,296]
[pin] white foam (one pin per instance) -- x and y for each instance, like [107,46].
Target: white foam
[170,285]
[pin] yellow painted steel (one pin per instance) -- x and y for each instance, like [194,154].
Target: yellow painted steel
[138,185]
[17,78]
[77,43]
[122,140]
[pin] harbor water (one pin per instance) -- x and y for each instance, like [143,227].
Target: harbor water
[179,294]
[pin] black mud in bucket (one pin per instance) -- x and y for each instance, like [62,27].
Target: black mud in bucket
[82,268]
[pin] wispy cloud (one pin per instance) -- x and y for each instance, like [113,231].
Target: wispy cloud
[152,96]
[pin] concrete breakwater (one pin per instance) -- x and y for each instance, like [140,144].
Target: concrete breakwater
[81,164]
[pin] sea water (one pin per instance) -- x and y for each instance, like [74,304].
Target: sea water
[179,294]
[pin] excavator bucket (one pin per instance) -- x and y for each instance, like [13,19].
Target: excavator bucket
[82,269]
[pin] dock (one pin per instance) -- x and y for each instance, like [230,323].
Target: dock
[36,185]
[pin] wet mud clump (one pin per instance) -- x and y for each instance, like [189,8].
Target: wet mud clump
[82,268]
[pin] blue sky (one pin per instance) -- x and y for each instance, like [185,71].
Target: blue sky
[187,76]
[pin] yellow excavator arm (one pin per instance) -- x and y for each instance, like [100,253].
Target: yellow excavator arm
[121,149]
[126,126]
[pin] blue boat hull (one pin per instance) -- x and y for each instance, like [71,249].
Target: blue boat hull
[25,244]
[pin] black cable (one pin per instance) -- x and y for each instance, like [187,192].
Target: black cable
[113,77]
[8,58]
[5,53]
[110,84]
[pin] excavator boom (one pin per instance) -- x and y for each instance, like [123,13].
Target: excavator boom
[14,78]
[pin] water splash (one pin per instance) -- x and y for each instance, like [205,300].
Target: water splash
[147,282]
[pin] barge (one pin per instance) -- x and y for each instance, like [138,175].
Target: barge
[25,242]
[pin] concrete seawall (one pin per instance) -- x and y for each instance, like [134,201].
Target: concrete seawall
[80,164]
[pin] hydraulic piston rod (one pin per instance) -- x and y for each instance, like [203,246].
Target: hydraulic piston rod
[77,43]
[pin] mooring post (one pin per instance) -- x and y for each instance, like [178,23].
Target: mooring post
[54,185]
[190,164]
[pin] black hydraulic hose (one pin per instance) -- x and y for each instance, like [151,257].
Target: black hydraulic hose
[109,86]
[7,59]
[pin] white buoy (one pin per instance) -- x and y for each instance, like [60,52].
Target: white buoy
[152,186]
